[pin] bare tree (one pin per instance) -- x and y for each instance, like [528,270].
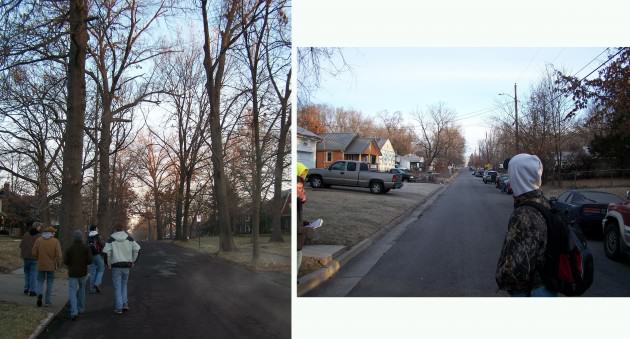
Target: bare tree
[433,125]
[216,51]
[71,216]
[31,104]
[117,52]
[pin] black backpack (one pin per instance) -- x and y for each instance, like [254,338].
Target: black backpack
[95,244]
[568,265]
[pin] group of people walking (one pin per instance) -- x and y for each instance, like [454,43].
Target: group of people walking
[42,256]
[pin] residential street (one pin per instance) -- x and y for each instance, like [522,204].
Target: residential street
[452,251]
[176,292]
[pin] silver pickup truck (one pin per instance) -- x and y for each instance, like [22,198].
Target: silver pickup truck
[353,173]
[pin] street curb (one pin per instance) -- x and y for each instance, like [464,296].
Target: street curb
[42,326]
[314,279]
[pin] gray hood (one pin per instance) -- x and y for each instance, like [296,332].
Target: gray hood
[525,172]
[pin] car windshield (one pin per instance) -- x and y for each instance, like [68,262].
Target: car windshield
[601,197]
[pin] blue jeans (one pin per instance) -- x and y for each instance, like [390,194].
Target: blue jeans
[536,292]
[30,275]
[97,268]
[76,294]
[49,276]
[120,276]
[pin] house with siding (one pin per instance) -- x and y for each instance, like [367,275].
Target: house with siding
[307,146]
[347,146]
[387,160]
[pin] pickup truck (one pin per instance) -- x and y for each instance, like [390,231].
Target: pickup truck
[616,227]
[355,174]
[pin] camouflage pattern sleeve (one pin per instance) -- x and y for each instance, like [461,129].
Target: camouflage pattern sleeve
[523,251]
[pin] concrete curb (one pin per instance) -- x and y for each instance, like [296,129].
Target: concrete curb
[42,326]
[312,280]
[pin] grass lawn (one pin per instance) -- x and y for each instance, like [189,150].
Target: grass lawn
[9,254]
[19,321]
[273,256]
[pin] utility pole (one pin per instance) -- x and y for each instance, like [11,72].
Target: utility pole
[516,118]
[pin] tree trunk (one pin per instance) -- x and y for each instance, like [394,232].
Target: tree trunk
[185,221]
[158,215]
[179,231]
[71,211]
[213,87]
[104,214]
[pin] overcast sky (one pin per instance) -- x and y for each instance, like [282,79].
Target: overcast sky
[467,80]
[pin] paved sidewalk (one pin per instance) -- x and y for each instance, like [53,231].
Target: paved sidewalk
[11,291]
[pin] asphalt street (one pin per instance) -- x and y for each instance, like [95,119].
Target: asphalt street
[451,250]
[178,293]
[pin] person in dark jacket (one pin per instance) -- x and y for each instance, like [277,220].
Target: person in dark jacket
[97,268]
[523,254]
[78,256]
[30,261]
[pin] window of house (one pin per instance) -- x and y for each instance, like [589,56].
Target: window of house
[329,156]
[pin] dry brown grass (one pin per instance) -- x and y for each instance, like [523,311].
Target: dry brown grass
[273,256]
[10,258]
[19,321]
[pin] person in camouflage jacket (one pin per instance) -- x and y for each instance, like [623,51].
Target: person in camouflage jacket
[523,253]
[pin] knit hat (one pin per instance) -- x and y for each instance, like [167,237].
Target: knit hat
[525,172]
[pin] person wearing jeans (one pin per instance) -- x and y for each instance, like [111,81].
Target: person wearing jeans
[97,268]
[76,295]
[47,250]
[30,262]
[122,252]
[120,276]
[78,257]
[49,278]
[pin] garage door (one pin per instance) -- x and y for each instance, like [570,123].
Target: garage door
[307,158]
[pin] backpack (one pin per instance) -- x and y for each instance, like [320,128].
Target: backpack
[568,265]
[95,245]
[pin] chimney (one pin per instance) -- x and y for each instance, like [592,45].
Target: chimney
[7,187]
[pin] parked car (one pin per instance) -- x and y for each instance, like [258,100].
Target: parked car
[616,229]
[501,181]
[507,188]
[479,174]
[585,208]
[404,174]
[354,174]
[490,176]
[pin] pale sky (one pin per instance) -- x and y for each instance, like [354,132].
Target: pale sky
[467,80]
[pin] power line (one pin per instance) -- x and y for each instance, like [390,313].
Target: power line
[590,62]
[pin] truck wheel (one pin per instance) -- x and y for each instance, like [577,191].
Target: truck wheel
[612,241]
[316,182]
[376,187]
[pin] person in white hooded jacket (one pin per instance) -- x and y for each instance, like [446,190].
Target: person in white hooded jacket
[122,252]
